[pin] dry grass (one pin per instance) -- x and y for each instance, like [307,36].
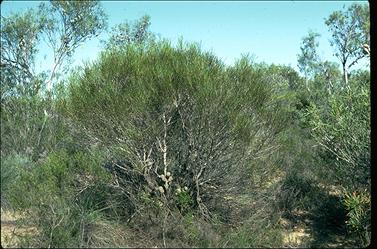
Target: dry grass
[103,234]
[295,235]
[298,231]
[10,231]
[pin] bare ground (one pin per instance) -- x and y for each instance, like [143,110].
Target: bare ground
[320,228]
[9,229]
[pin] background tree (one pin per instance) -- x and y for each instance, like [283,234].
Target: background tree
[350,32]
[328,76]
[321,77]
[308,60]
[125,33]
[69,24]
[20,35]
[29,121]
[63,25]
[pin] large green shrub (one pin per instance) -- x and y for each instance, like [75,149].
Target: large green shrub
[342,129]
[176,111]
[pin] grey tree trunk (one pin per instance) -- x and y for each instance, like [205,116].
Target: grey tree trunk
[345,75]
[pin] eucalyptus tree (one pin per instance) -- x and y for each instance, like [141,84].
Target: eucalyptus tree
[137,32]
[308,60]
[350,31]
[28,122]
[20,35]
[319,74]
[62,25]
[68,25]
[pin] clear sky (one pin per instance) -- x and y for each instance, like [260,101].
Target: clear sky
[271,31]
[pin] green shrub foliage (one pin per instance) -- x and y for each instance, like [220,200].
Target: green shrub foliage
[178,116]
[61,194]
[358,207]
[341,126]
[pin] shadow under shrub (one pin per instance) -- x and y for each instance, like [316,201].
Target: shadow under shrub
[298,192]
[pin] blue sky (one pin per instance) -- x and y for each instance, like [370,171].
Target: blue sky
[271,31]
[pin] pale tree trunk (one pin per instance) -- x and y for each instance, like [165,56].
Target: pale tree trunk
[345,74]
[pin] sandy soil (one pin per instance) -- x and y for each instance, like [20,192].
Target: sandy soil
[9,229]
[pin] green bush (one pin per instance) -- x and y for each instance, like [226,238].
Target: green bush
[12,167]
[179,117]
[297,192]
[63,195]
[342,129]
[358,207]
[31,126]
[183,200]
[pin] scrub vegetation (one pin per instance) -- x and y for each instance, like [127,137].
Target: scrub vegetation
[161,145]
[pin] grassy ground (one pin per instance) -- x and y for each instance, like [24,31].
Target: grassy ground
[322,226]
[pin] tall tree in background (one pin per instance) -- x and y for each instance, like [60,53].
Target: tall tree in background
[20,34]
[323,73]
[63,25]
[308,60]
[70,23]
[28,122]
[329,74]
[126,33]
[350,34]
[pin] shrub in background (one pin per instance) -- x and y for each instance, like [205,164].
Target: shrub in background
[342,129]
[12,167]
